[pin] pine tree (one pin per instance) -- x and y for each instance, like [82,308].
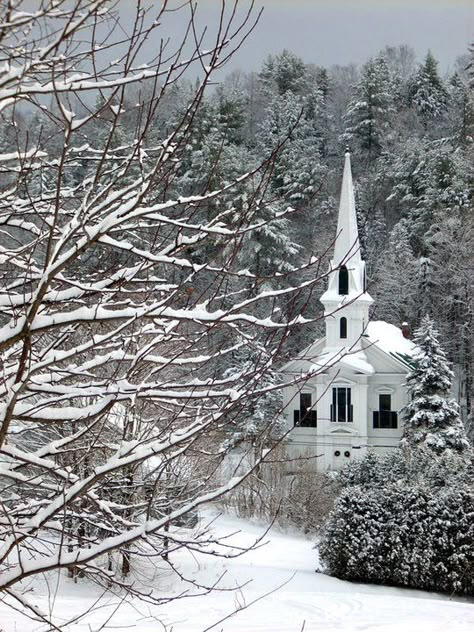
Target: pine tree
[470,66]
[431,418]
[397,278]
[428,178]
[293,121]
[285,72]
[369,112]
[269,246]
[462,109]
[427,92]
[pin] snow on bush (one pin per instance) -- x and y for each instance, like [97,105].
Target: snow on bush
[403,535]
[405,521]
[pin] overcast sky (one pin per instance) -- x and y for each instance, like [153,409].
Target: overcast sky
[329,32]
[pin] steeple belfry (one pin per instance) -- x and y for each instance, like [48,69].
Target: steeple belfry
[347,246]
[346,302]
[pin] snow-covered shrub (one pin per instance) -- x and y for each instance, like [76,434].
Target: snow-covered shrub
[405,518]
[420,468]
[403,535]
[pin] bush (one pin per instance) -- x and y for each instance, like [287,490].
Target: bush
[408,532]
[417,466]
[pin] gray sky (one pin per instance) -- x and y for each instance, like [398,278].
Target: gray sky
[328,32]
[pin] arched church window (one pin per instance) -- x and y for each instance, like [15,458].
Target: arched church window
[343,327]
[343,280]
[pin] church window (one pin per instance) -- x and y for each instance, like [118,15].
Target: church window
[385,417]
[341,408]
[343,327]
[305,417]
[343,280]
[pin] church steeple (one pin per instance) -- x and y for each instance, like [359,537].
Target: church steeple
[346,301]
[347,247]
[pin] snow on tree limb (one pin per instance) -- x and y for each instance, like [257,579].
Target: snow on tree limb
[126,296]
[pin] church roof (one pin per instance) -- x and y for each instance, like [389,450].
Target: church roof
[389,338]
[379,334]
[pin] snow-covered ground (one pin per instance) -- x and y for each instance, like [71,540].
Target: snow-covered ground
[297,598]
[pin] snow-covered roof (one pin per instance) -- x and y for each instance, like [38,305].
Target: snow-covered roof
[354,360]
[384,336]
[390,339]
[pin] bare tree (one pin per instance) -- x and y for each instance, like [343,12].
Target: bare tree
[115,405]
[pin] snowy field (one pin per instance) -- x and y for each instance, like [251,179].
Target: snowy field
[283,568]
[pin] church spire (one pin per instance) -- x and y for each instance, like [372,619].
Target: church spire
[347,246]
[346,301]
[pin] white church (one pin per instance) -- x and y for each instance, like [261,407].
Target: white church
[352,401]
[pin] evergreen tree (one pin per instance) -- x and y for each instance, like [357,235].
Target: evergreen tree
[470,66]
[451,246]
[429,179]
[269,246]
[431,417]
[369,111]
[427,92]
[462,109]
[404,535]
[293,121]
[404,521]
[397,278]
[285,72]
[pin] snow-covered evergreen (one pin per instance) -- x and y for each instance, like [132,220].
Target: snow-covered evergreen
[431,417]
[404,519]
[368,114]
[403,535]
[427,91]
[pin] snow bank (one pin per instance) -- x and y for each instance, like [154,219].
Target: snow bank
[283,569]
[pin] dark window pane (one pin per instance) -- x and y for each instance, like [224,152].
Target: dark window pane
[305,417]
[341,409]
[341,397]
[341,404]
[310,420]
[343,327]
[343,280]
[376,419]
[305,402]
[385,419]
[385,402]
